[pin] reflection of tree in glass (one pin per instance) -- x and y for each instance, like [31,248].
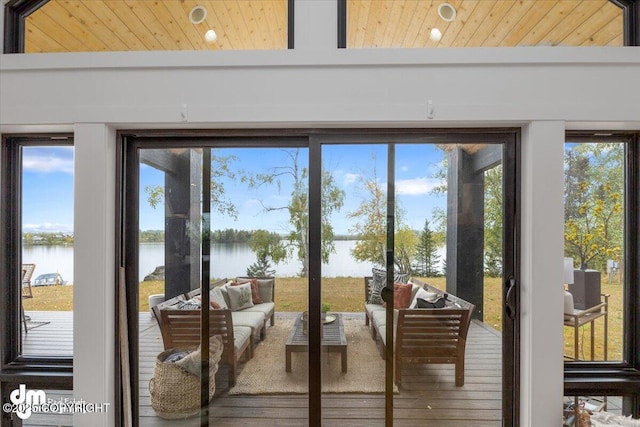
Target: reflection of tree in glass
[220,169]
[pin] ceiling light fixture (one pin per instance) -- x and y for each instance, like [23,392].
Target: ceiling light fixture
[197,14]
[435,35]
[210,36]
[447,12]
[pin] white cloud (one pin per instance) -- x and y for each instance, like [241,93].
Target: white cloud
[47,227]
[47,164]
[404,168]
[350,178]
[415,186]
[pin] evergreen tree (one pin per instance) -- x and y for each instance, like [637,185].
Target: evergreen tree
[268,248]
[426,256]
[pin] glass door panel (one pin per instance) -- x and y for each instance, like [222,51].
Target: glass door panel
[259,260]
[170,234]
[448,322]
[354,234]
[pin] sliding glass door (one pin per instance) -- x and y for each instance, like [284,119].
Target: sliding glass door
[317,278]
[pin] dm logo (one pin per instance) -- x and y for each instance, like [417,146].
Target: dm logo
[25,400]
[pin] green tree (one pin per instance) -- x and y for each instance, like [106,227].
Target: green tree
[493,222]
[269,249]
[426,254]
[371,228]
[370,223]
[298,206]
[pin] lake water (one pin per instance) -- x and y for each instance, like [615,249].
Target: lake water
[228,260]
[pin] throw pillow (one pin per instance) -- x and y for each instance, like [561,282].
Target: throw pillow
[216,297]
[401,295]
[264,285]
[192,304]
[192,361]
[240,296]
[377,283]
[255,291]
[422,294]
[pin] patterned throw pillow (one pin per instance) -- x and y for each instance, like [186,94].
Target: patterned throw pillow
[192,304]
[240,296]
[379,282]
[255,290]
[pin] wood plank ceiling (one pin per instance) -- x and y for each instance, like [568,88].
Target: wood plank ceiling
[122,25]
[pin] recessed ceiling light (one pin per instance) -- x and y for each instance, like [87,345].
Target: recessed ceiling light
[447,12]
[197,14]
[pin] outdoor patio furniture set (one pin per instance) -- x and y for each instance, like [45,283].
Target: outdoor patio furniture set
[239,314]
[242,307]
[421,335]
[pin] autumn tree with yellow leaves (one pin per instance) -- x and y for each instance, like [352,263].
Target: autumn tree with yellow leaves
[594,185]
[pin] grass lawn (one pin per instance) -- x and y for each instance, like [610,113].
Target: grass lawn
[346,294]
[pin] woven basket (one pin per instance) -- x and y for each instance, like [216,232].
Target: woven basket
[175,392]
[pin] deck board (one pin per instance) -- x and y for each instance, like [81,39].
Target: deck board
[428,396]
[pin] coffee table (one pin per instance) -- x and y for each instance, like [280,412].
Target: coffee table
[333,340]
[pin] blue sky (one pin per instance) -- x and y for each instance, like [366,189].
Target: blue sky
[48,186]
[47,189]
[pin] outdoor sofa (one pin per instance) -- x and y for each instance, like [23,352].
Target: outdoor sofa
[423,335]
[239,328]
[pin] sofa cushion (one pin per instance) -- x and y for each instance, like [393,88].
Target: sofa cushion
[379,318]
[240,335]
[240,296]
[266,308]
[251,319]
[371,308]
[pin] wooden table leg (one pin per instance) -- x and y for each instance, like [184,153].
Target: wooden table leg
[343,357]
[288,360]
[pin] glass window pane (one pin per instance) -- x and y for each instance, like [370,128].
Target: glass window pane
[114,25]
[458,23]
[47,251]
[594,197]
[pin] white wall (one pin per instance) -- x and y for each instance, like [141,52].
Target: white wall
[543,90]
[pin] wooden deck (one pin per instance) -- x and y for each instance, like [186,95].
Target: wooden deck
[428,396]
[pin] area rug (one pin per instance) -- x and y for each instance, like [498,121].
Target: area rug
[265,372]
